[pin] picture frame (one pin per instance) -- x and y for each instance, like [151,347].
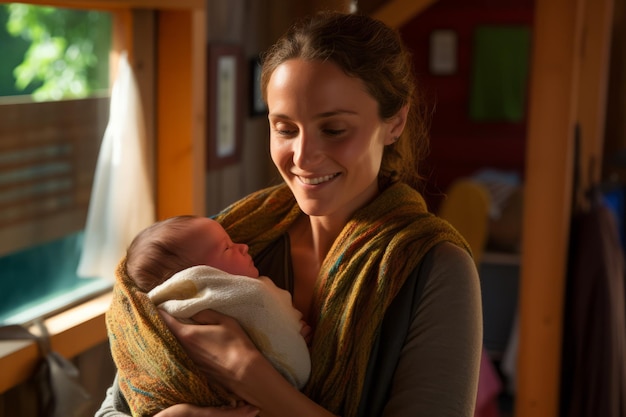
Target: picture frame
[257,105]
[225,87]
[443,50]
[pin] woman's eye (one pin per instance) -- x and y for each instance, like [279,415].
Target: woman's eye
[285,130]
[334,132]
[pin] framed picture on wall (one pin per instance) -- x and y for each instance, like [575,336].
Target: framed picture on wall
[442,58]
[257,105]
[225,104]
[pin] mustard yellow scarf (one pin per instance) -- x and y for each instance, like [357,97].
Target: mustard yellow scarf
[369,262]
[154,372]
[366,267]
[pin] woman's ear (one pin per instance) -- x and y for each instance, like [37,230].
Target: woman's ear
[396,125]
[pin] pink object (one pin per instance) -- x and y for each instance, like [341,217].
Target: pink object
[489,387]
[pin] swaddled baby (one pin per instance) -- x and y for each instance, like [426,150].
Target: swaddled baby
[187,264]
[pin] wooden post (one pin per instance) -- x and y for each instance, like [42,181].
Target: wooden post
[181,112]
[593,85]
[547,203]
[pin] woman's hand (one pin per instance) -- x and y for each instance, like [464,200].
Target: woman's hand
[218,345]
[306,332]
[188,410]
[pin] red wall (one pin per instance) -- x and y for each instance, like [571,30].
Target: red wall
[460,146]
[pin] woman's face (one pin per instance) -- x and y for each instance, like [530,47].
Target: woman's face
[326,137]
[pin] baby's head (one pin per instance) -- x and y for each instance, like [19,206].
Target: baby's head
[180,242]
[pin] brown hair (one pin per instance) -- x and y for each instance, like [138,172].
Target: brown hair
[369,50]
[156,253]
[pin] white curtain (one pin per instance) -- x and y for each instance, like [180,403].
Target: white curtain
[122,201]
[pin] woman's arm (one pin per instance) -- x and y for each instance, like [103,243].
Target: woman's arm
[225,353]
[115,406]
[437,374]
[188,410]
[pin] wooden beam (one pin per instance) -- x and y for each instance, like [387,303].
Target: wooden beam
[593,85]
[120,4]
[143,61]
[181,111]
[396,13]
[554,81]
[199,109]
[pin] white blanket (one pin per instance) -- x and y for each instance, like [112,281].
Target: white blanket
[263,310]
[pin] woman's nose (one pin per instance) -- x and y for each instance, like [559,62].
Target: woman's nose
[306,150]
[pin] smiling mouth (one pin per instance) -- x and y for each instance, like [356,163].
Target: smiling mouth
[318,180]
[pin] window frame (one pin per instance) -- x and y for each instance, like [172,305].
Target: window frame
[166,45]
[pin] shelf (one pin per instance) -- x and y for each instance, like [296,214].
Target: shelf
[502,258]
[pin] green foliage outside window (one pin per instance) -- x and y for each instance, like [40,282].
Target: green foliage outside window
[68,50]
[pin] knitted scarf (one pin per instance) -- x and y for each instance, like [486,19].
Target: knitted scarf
[366,267]
[154,372]
[364,270]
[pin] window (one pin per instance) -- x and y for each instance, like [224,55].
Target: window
[54,104]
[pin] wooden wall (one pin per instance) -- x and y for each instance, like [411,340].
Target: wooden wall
[461,146]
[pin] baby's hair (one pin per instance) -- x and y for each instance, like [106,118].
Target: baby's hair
[157,253]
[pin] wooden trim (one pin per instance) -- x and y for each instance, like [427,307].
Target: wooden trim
[144,66]
[180,113]
[547,204]
[199,110]
[593,86]
[122,4]
[71,332]
[396,13]
[122,41]
[174,147]
[18,359]
[80,328]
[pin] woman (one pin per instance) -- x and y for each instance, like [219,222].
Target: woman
[390,290]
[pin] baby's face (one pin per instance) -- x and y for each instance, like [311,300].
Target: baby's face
[212,246]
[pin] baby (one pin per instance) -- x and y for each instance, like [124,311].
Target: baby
[184,265]
[187,264]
